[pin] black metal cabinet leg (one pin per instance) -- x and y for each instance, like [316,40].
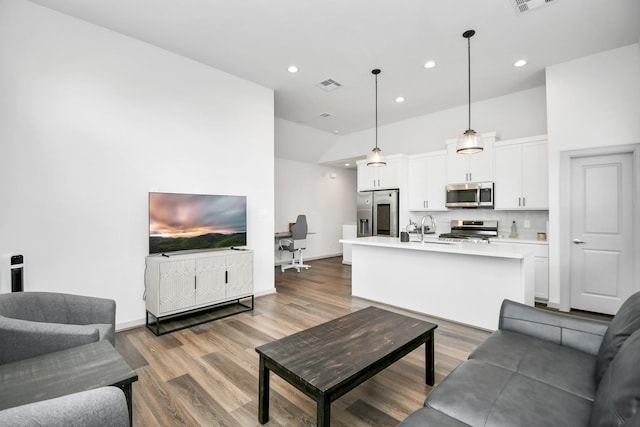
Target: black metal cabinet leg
[263,393]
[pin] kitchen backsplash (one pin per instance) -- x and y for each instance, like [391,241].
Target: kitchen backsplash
[537,220]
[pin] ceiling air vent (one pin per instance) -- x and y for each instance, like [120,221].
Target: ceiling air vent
[328,85]
[524,6]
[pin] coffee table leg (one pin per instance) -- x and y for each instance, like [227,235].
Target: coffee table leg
[323,415]
[263,393]
[430,360]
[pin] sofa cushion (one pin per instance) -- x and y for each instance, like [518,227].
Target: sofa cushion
[482,394]
[430,417]
[22,339]
[618,396]
[559,366]
[625,322]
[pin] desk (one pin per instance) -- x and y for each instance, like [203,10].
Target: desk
[65,372]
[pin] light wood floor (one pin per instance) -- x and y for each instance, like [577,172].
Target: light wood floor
[208,375]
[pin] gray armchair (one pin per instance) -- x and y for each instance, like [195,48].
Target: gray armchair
[35,323]
[105,406]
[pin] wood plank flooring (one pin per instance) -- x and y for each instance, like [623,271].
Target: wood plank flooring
[207,375]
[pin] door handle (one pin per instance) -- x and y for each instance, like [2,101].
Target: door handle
[578,242]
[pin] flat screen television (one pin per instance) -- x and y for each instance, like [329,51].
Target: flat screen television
[182,222]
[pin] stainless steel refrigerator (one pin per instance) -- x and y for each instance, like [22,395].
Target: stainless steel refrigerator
[378,213]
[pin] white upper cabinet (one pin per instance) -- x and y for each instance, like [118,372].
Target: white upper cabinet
[427,179]
[470,167]
[383,177]
[521,174]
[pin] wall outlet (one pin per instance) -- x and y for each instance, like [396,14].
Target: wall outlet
[527,223]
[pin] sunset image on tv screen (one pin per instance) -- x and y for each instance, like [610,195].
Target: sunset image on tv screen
[179,222]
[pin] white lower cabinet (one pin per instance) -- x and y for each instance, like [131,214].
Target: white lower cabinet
[541,262]
[184,282]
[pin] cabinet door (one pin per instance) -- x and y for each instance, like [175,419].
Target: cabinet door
[535,175]
[508,177]
[457,165]
[542,278]
[436,181]
[177,285]
[418,181]
[210,286]
[239,274]
[481,164]
[470,167]
[367,177]
[388,175]
[427,179]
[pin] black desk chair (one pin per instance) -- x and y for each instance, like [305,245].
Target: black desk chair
[297,243]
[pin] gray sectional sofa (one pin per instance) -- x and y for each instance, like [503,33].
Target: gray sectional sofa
[543,368]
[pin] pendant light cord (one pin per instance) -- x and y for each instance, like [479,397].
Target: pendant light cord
[469,73]
[376,110]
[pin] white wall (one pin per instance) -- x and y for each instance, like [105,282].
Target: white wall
[516,115]
[90,121]
[591,102]
[298,142]
[326,195]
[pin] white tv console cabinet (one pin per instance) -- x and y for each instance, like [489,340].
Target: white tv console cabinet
[187,285]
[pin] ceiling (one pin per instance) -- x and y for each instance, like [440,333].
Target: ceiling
[344,40]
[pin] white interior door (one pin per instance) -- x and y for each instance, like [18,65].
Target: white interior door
[601,203]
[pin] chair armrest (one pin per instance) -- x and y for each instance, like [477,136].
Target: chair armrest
[576,332]
[22,339]
[105,406]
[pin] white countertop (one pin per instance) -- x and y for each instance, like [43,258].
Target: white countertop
[524,240]
[432,244]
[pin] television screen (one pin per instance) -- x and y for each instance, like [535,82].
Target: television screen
[180,222]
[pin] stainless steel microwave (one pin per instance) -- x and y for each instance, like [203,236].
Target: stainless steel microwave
[470,195]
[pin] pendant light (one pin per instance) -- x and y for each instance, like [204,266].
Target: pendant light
[471,142]
[375,157]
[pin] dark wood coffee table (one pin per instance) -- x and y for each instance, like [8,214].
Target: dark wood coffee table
[64,372]
[330,359]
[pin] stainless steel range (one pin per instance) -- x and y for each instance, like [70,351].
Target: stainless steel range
[471,231]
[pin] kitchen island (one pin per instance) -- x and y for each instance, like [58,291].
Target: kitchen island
[461,282]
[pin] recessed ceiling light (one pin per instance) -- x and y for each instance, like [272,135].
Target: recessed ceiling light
[429,64]
[292,69]
[520,63]
[347,164]
[336,132]
[399,99]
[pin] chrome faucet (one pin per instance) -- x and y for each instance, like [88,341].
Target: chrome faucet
[432,228]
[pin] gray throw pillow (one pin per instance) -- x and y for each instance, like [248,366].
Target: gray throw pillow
[625,323]
[618,396]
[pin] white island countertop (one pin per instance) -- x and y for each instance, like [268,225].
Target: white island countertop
[462,282]
[432,244]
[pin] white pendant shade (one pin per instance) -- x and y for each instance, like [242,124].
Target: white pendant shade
[470,143]
[376,158]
